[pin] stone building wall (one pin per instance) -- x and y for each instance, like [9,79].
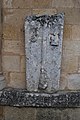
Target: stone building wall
[13,55]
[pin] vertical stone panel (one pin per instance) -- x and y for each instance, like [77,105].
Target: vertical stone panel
[43,46]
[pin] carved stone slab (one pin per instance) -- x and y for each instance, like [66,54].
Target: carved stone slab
[43,46]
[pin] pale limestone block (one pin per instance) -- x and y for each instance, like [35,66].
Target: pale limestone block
[42,3]
[76,32]
[71,48]
[67,33]
[23,64]
[63,3]
[17,80]
[73,81]
[2,82]
[11,46]
[72,15]
[17,4]
[76,3]
[13,23]
[44,11]
[11,63]
[12,113]
[69,63]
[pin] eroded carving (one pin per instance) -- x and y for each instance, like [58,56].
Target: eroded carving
[43,46]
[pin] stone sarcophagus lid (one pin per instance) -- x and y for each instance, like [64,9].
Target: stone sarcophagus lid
[43,48]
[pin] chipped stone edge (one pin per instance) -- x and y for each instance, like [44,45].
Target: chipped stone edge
[23,98]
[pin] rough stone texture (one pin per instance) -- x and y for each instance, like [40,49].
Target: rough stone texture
[2,82]
[76,32]
[58,114]
[69,63]
[63,3]
[67,33]
[23,98]
[72,15]
[43,46]
[17,80]
[17,17]
[23,64]
[76,3]
[11,46]
[13,30]
[42,3]
[44,11]
[20,114]
[73,81]
[16,4]
[12,113]
[11,63]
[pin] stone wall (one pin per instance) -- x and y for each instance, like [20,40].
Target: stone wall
[13,55]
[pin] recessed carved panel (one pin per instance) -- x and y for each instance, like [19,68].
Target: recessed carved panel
[43,46]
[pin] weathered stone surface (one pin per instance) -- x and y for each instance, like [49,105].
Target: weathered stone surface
[67,32]
[11,17]
[72,15]
[76,32]
[42,3]
[76,3]
[23,98]
[15,4]
[17,80]
[43,46]
[58,114]
[11,63]
[44,11]
[11,46]
[73,81]
[2,82]
[12,113]
[63,3]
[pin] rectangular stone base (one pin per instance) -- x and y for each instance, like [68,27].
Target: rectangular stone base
[23,98]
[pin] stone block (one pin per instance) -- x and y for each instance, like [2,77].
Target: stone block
[71,51]
[78,64]
[76,3]
[46,114]
[71,47]
[11,63]
[43,72]
[1,110]
[73,81]
[23,64]
[72,15]
[69,64]
[76,32]
[44,11]
[17,80]
[67,32]
[12,113]
[58,114]
[42,3]
[13,23]
[63,3]
[11,46]
[63,82]
[17,4]
[6,76]
[2,82]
